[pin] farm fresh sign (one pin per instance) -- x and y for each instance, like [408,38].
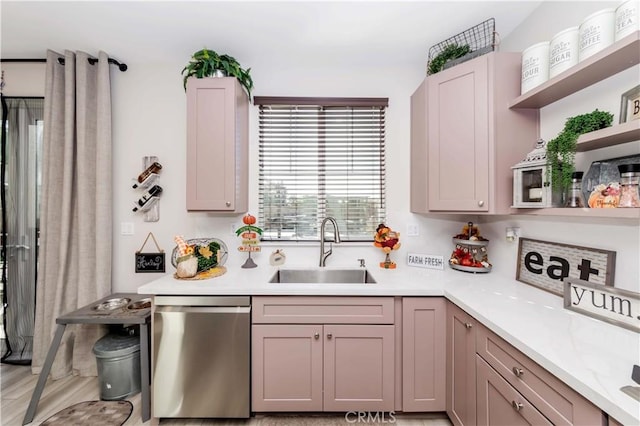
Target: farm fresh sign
[609,304]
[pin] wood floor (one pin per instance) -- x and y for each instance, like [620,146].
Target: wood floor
[17,384]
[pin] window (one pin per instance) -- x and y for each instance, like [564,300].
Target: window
[321,157]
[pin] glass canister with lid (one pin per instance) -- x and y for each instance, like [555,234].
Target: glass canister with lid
[574,195]
[629,185]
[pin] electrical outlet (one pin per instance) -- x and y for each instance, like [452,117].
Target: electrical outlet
[234,226]
[513,234]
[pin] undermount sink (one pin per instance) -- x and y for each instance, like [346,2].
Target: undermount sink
[329,276]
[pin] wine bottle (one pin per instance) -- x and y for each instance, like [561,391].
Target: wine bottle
[153,168]
[154,191]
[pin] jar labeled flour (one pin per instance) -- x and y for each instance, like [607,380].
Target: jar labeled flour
[535,66]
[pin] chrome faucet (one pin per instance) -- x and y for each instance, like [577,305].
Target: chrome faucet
[336,239]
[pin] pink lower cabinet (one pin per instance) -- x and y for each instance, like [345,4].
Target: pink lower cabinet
[548,394]
[461,366]
[318,364]
[358,367]
[287,367]
[423,354]
[499,403]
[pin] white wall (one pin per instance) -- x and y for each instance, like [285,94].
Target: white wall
[149,119]
[622,236]
[149,108]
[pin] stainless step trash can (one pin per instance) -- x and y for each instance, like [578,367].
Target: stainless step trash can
[118,360]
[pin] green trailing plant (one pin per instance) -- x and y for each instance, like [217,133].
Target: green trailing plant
[205,63]
[561,150]
[452,51]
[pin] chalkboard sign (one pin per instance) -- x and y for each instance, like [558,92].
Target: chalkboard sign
[150,262]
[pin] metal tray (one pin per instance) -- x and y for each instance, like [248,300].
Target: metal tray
[478,243]
[470,269]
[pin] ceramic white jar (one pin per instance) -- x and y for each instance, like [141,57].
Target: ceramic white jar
[535,66]
[596,32]
[627,20]
[563,51]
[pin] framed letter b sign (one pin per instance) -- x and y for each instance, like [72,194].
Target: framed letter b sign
[545,265]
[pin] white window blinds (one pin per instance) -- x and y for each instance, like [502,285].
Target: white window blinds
[321,157]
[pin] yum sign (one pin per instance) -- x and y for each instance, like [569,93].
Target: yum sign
[546,265]
[613,305]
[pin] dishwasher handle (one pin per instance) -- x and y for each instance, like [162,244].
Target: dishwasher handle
[205,309]
[202,300]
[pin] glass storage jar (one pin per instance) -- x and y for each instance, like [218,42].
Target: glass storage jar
[574,196]
[629,184]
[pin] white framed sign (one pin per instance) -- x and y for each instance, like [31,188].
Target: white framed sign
[428,261]
[613,305]
[546,265]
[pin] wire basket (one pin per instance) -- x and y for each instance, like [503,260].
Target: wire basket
[480,39]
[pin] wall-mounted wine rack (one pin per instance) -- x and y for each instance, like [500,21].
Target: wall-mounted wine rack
[149,201]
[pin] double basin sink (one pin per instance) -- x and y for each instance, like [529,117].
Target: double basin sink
[321,276]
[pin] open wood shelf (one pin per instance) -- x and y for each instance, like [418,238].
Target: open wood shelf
[618,57]
[620,213]
[614,135]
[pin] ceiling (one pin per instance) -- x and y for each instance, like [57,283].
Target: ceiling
[356,33]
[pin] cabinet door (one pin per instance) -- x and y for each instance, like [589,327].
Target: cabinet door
[500,404]
[287,368]
[423,353]
[461,367]
[358,367]
[458,137]
[217,145]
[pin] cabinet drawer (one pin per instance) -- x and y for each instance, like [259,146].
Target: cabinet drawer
[322,310]
[499,403]
[557,401]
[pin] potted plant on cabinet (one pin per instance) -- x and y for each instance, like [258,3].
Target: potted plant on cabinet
[452,51]
[561,150]
[208,63]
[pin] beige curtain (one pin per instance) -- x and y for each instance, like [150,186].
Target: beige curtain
[75,244]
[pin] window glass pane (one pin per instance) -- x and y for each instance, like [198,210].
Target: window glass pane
[320,161]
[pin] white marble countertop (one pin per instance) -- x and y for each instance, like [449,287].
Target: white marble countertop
[593,357]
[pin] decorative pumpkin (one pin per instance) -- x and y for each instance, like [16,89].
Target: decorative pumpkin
[249,219]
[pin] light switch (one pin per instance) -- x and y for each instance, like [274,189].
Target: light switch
[126,228]
[413,230]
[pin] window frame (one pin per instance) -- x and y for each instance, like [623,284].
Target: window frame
[326,102]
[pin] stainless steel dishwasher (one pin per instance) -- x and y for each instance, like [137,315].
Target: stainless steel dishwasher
[201,356]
